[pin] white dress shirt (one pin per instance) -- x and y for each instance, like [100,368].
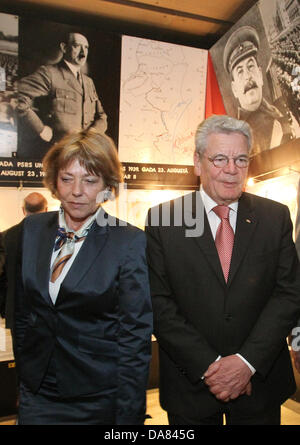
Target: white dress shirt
[213,218]
[54,287]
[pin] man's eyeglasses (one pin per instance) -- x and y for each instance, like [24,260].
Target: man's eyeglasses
[221,161]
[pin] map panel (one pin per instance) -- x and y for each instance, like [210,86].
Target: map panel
[162,100]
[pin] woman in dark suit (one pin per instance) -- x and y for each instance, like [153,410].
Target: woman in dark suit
[83,313]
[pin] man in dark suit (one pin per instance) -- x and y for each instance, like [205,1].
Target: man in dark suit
[33,203]
[221,322]
[58,99]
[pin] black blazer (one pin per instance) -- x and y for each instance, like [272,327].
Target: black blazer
[11,241]
[99,329]
[198,316]
[2,278]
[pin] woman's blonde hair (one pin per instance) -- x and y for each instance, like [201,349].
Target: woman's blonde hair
[95,152]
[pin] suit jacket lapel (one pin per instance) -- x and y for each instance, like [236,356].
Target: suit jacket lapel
[245,227]
[206,241]
[85,258]
[46,241]
[208,247]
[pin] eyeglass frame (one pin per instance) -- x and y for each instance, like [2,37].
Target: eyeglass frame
[227,159]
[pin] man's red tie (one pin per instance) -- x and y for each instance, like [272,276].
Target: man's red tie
[224,238]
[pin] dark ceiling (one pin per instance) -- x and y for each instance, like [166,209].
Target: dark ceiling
[198,23]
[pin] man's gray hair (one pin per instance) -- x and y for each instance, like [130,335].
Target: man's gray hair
[220,124]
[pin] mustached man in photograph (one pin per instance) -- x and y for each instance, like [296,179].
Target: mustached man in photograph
[58,99]
[271,126]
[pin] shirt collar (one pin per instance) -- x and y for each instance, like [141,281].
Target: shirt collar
[209,203]
[72,68]
[87,224]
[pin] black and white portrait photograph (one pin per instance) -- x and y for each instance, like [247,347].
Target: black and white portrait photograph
[8,83]
[68,81]
[246,62]
[282,24]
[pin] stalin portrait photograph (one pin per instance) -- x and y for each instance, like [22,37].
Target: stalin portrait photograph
[245,67]
[66,83]
[270,124]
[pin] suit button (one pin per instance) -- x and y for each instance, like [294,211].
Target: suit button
[181,370]
[228,317]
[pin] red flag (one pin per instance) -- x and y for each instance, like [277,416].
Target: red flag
[213,101]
